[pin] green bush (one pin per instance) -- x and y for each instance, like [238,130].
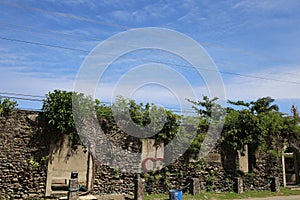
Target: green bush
[6,106]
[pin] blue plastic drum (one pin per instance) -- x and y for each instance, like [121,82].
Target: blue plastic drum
[175,195]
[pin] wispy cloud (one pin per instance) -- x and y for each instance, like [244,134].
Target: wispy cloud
[253,88]
[269,29]
[26,84]
[262,4]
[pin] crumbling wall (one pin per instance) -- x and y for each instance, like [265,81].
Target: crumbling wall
[23,151]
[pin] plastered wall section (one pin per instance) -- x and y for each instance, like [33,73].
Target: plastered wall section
[65,160]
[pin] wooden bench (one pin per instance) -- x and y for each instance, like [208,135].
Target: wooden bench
[60,183]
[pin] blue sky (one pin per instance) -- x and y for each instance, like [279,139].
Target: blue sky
[246,39]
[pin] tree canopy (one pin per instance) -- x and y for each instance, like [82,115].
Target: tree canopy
[251,122]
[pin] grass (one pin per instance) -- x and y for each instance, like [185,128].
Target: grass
[227,195]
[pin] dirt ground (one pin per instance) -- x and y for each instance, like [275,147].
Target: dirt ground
[111,197]
[105,197]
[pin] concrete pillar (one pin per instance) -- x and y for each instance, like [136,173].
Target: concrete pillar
[243,159]
[195,186]
[238,185]
[275,185]
[49,175]
[73,186]
[90,172]
[152,155]
[139,190]
[283,170]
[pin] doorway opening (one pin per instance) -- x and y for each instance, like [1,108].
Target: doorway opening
[291,166]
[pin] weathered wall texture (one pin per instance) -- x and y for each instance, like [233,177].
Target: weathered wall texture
[22,146]
[24,143]
[65,160]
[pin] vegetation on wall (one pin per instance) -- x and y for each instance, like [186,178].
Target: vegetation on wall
[58,110]
[251,123]
[255,123]
[6,106]
[147,118]
[58,114]
[209,113]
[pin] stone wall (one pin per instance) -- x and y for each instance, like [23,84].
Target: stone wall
[108,180]
[264,169]
[25,147]
[22,169]
[213,174]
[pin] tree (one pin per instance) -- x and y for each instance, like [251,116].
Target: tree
[57,110]
[210,114]
[208,108]
[263,105]
[293,132]
[241,127]
[62,108]
[144,120]
[255,123]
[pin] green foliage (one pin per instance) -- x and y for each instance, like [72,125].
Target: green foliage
[34,163]
[60,108]
[211,180]
[256,123]
[45,158]
[251,123]
[154,178]
[210,114]
[170,129]
[57,109]
[103,111]
[263,105]
[240,128]
[146,118]
[274,154]
[294,123]
[6,106]
[208,109]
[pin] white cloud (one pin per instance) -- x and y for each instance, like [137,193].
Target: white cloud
[25,84]
[89,3]
[243,88]
[236,88]
[260,4]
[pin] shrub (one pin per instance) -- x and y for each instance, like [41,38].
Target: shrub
[6,106]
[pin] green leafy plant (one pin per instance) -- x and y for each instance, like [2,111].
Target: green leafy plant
[254,123]
[274,154]
[209,114]
[57,109]
[45,158]
[142,115]
[59,113]
[6,106]
[34,163]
